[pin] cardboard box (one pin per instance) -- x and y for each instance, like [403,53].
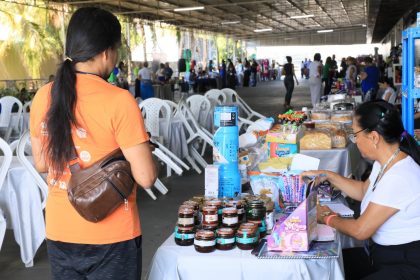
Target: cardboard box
[298,230]
[211,181]
[276,135]
[276,150]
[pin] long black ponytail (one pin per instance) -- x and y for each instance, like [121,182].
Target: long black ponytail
[90,32]
[384,118]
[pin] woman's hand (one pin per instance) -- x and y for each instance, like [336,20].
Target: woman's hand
[319,175]
[322,213]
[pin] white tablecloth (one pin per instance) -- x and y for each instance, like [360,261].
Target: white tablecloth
[342,161]
[176,140]
[21,204]
[176,262]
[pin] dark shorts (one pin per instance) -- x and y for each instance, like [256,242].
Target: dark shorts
[71,261]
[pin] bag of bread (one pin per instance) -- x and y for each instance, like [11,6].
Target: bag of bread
[316,139]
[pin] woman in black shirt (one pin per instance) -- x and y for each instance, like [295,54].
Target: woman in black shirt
[289,73]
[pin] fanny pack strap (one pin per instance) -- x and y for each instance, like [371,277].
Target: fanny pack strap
[74,161]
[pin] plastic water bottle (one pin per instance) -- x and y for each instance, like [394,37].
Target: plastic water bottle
[225,153]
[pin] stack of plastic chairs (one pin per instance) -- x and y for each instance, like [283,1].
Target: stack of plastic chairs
[4,167]
[7,103]
[153,109]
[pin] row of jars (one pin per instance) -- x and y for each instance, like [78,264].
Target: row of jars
[230,218]
[206,241]
[213,214]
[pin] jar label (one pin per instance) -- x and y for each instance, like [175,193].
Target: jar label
[186,221]
[210,218]
[269,220]
[205,243]
[230,220]
[220,211]
[263,228]
[184,236]
[224,241]
[246,240]
[241,211]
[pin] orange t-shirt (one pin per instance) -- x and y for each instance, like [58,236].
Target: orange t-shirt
[108,117]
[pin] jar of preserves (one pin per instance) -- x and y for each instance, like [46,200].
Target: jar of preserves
[196,208]
[238,204]
[225,239]
[184,236]
[246,238]
[230,217]
[205,241]
[255,210]
[185,216]
[252,226]
[210,218]
[261,227]
[218,204]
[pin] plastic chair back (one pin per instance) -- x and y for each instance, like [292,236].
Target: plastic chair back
[20,152]
[199,106]
[156,111]
[231,96]
[7,160]
[7,103]
[217,95]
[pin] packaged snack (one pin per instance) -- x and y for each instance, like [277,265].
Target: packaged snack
[276,150]
[342,116]
[339,139]
[316,139]
[320,115]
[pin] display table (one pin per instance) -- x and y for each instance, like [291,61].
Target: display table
[342,161]
[176,262]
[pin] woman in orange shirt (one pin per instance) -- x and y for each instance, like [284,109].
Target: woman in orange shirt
[81,110]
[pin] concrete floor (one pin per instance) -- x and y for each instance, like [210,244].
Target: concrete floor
[158,217]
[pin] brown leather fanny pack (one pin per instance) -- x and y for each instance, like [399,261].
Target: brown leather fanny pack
[96,191]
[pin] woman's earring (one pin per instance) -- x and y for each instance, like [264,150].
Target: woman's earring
[375,146]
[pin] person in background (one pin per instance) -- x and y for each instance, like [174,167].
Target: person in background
[210,66]
[247,73]
[81,113]
[417,116]
[390,197]
[343,66]
[145,77]
[231,75]
[51,78]
[160,74]
[222,72]
[327,72]
[289,73]
[302,69]
[254,69]
[315,81]
[389,93]
[168,72]
[351,72]
[239,72]
[334,66]
[370,78]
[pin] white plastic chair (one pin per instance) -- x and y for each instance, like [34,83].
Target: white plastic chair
[195,132]
[174,107]
[200,107]
[233,97]
[156,111]
[4,167]
[7,103]
[20,152]
[216,95]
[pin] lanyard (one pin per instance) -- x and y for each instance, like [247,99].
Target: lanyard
[381,173]
[88,73]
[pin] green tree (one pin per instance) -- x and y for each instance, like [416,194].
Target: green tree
[35,32]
